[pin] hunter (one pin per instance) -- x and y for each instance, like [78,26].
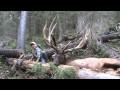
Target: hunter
[38,54]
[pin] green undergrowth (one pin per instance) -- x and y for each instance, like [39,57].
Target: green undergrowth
[12,44]
[54,73]
[98,51]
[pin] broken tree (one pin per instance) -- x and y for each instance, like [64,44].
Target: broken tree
[79,66]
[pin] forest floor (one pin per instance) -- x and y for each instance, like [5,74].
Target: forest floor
[6,73]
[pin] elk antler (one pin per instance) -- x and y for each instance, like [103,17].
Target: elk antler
[50,40]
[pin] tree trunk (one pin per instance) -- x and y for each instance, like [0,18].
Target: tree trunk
[11,53]
[30,36]
[22,30]
[95,63]
[89,74]
[80,73]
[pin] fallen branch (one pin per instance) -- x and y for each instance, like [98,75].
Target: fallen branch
[106,38]
[90,63]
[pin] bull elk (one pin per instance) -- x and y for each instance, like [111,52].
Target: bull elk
[59,55]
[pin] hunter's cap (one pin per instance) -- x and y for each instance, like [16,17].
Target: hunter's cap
[32,43]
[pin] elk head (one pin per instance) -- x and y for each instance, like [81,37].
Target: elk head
[59,55]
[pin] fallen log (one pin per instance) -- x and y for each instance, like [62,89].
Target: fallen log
[95,63]
[80,73]
[106,38]
[89,74]
[27,64]
[11,53]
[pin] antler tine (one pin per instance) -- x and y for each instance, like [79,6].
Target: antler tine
[52,23]
[48,39]
[44,34]
[65,47]
[53,28]
[51,38]
[80,45]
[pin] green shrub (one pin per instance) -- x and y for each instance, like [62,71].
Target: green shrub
[65,74]
[2,61]
[98,51]
[62,74]
[38,71]
[12,44]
